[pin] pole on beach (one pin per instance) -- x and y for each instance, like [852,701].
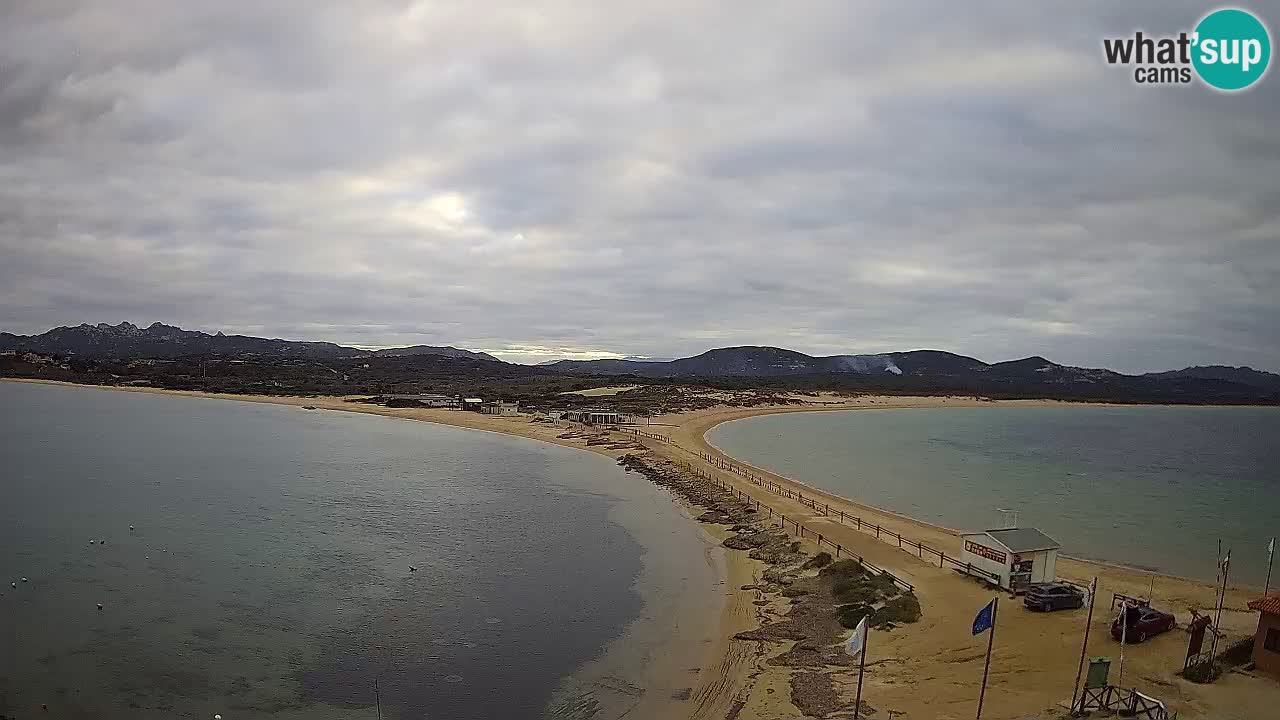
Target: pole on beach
[1084,647]
[1271,556]
[1124,639]
[1222,596]
[862,664]
[986,668]
[377,696]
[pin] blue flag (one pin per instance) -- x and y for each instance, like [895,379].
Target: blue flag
[985,616]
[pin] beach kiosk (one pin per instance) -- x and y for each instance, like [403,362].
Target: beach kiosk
[1019,557]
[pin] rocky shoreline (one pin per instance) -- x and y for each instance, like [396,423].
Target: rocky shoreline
[806,602]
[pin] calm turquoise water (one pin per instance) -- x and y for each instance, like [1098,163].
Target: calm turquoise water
[268,575]
[1152,487]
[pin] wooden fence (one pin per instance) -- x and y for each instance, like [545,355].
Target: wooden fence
[854,521]
[1126,702]
[800,530]
[643,434]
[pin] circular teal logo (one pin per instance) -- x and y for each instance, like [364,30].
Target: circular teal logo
[1232,49]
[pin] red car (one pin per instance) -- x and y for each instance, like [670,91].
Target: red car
[1144,622]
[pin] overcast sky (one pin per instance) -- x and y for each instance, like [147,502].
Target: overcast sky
[568,179]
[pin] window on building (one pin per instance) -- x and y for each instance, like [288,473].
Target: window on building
[1272,641]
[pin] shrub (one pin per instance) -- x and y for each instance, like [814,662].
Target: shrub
[844,568]
[850,615]
[884,583]
[849,590]
[900,610]
[820,560]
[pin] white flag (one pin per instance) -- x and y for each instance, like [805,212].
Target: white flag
[1093,590]
[1271,546]
[857,640]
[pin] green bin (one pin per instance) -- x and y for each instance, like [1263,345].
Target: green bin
[1099,669]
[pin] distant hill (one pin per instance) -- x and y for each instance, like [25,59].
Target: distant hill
[915,371]
[441,350]
[744,361]
[1240,375]
[933,371]
[161,341]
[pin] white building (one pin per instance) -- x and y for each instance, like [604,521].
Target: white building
[597,416]
[429,399]
[1017,556]
[498,407]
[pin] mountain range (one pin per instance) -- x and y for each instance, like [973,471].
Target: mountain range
[161,341]
[927,371]
[917,367]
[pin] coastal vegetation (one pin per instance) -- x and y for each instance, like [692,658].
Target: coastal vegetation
[168,357]
[810,601]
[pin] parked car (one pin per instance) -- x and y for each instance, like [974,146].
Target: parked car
[1144,622]
[1048,597]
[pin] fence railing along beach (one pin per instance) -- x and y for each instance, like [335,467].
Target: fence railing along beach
[885,534]
[854,521]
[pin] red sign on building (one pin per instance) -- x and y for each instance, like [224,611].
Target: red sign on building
[986,552]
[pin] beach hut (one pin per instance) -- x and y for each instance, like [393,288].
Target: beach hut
[1266,641]
[1019,557]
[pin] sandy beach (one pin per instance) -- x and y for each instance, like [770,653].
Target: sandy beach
[930,669]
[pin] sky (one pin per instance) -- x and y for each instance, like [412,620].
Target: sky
[548,179]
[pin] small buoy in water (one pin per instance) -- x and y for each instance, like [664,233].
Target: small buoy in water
[44,706]
[99,606]
[90,542]
[24,579]
[413,569]
[102,542]
[217,717]
[13,584]
[130,527]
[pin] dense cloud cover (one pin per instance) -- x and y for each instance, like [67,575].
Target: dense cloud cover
[568,179]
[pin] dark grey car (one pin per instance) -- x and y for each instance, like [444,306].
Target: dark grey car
[1053,596]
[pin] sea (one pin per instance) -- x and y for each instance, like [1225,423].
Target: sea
[1161,488]
[265,561]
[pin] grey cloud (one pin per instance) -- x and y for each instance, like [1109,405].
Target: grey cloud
[647,179]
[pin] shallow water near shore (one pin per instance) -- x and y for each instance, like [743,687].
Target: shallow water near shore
[268,574]
[1148,487]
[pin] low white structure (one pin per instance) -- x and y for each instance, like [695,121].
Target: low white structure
[1017,556]
[598,416]
[498,407]
[434,400]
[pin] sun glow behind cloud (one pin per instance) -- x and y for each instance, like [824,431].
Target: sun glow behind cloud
[560,180]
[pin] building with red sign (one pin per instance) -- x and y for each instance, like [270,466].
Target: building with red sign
[1018,556]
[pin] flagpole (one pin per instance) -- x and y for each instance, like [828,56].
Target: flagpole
[986,668]
[1226,570]
[1124,639]
[1084,648]
[862,664]
[1271,556]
